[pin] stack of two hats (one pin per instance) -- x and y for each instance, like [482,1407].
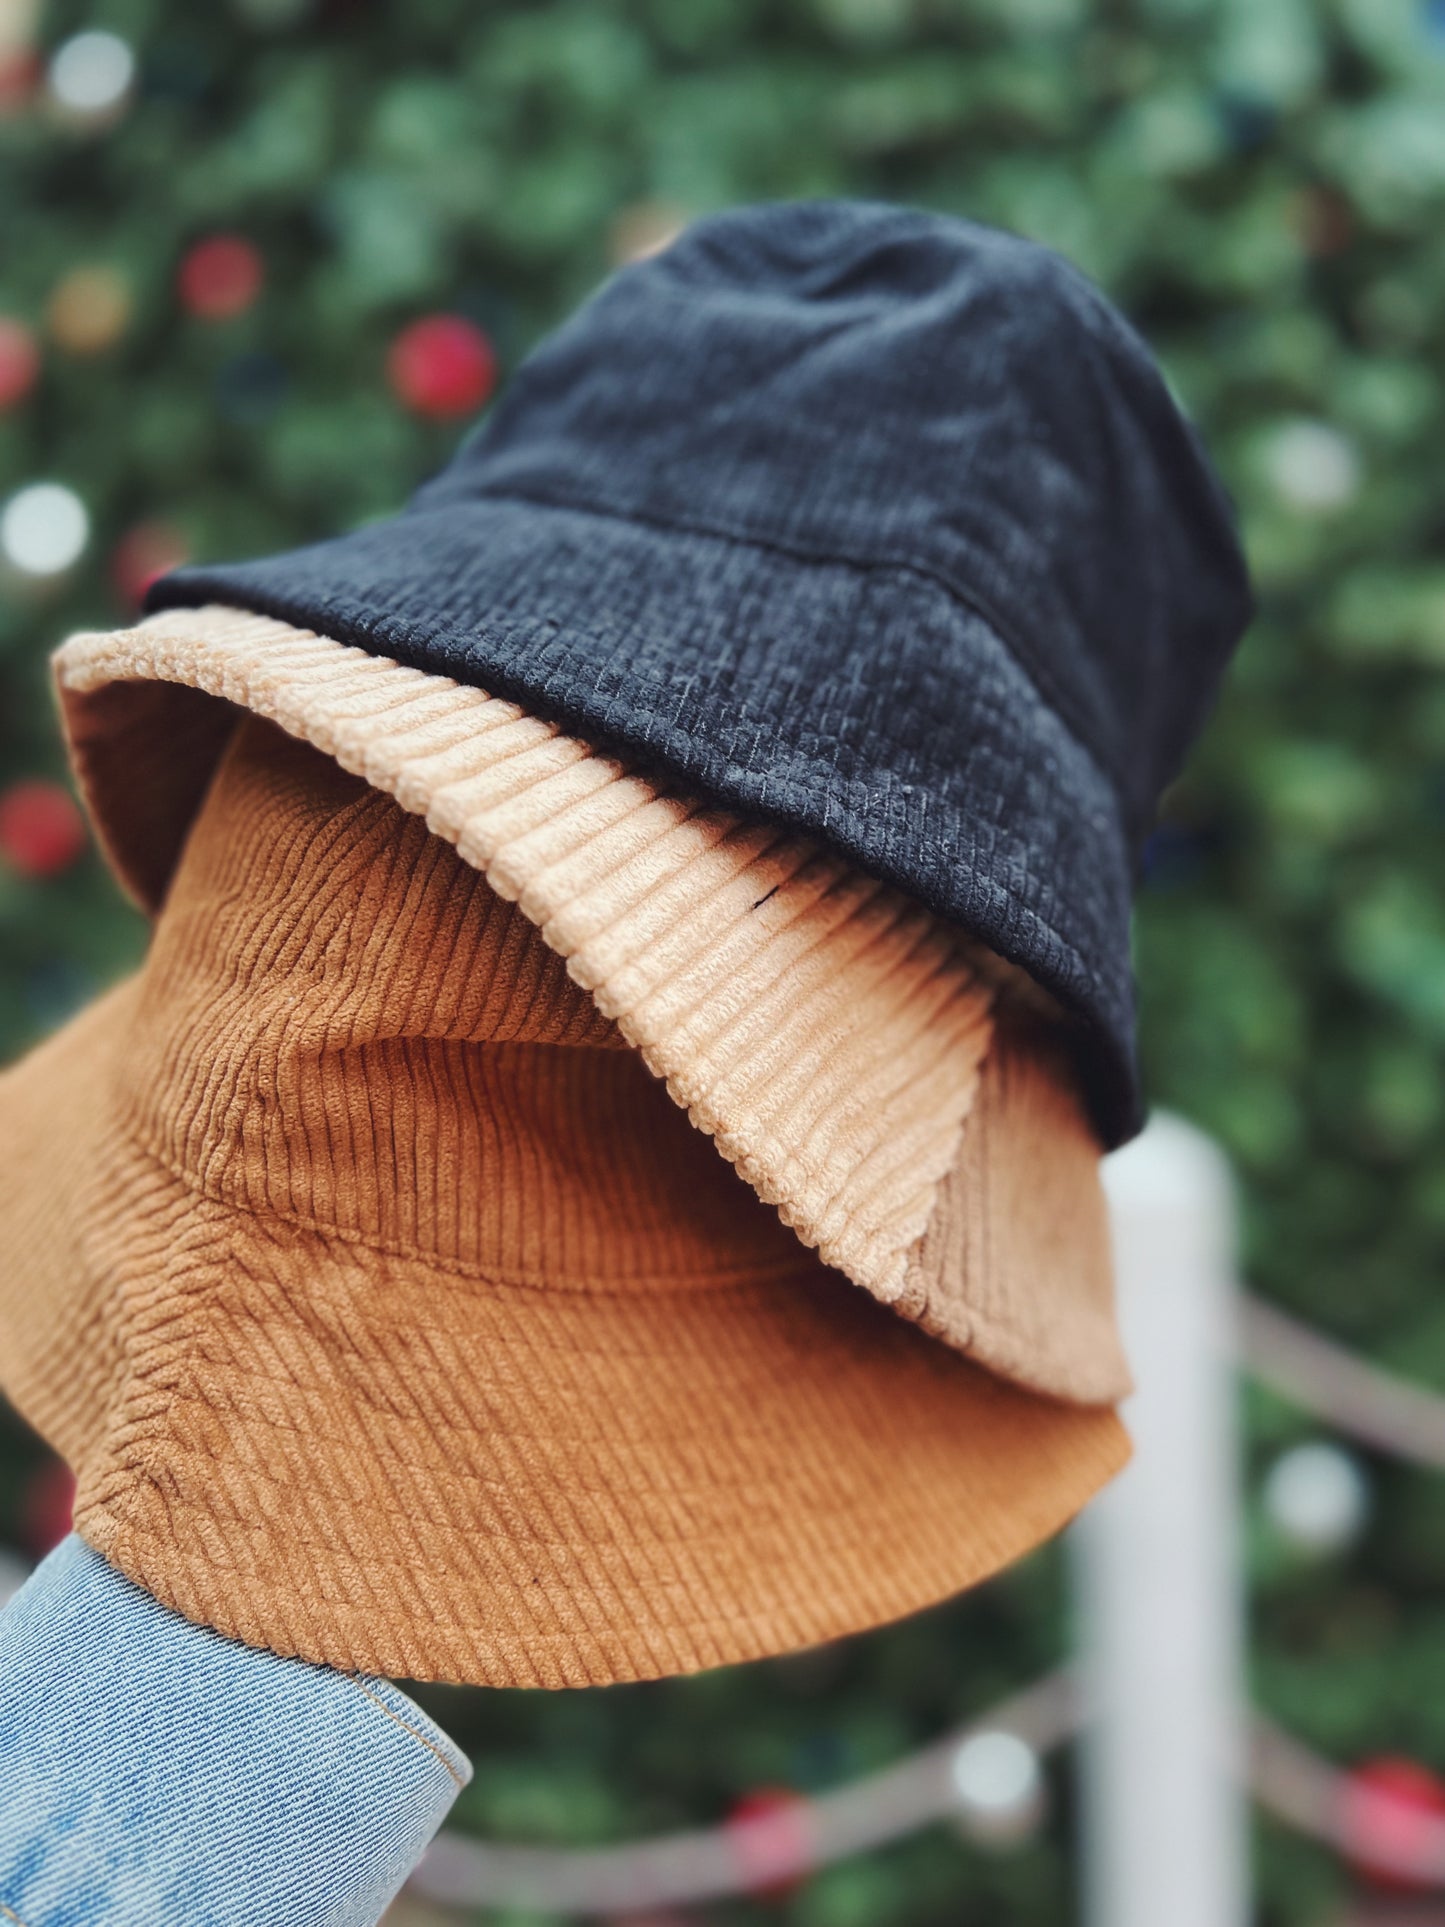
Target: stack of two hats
[749,737]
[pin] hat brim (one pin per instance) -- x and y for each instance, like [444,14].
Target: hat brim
[659,641]
[844,1049]
[618,1494]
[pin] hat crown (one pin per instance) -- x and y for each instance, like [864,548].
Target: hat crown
[859,383]
[341,1026]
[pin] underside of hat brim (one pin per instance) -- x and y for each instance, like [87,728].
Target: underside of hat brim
[845,1050]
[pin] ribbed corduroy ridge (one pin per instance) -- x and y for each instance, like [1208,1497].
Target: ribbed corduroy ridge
[821,1027]
[395,1318]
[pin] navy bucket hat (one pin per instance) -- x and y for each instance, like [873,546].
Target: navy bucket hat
[873,522]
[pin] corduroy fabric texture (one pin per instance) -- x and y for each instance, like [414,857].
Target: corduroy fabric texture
[394,1317]
[869,522]
[824,1031]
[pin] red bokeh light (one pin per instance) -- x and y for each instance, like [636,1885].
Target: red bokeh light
[220,277]
[41,829]
[19,361]
[1394,1810]
[771,1831]
[442,365]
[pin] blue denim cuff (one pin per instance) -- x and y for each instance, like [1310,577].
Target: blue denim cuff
[155,1772]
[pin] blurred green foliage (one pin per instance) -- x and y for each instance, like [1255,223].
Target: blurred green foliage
[1261,184]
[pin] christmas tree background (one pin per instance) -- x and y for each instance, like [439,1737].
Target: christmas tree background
[251,290]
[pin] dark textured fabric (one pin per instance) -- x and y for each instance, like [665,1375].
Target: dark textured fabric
[876,522]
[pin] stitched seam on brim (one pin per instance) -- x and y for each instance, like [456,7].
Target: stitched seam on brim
[651,1285]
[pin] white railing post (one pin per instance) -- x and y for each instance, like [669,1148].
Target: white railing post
[1158,1563]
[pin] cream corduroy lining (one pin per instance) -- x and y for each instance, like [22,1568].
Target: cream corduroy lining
[826,1031]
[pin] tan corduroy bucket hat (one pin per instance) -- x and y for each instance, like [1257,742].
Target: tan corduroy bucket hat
[366,1264]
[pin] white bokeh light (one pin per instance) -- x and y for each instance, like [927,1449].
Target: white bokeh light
[999,1785]
[92,72]
[43,529]
[1313,466]
[1317,1496]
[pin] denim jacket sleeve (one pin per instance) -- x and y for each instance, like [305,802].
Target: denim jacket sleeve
[154,1772]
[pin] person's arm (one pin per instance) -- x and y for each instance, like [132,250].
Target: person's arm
[155,1772]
